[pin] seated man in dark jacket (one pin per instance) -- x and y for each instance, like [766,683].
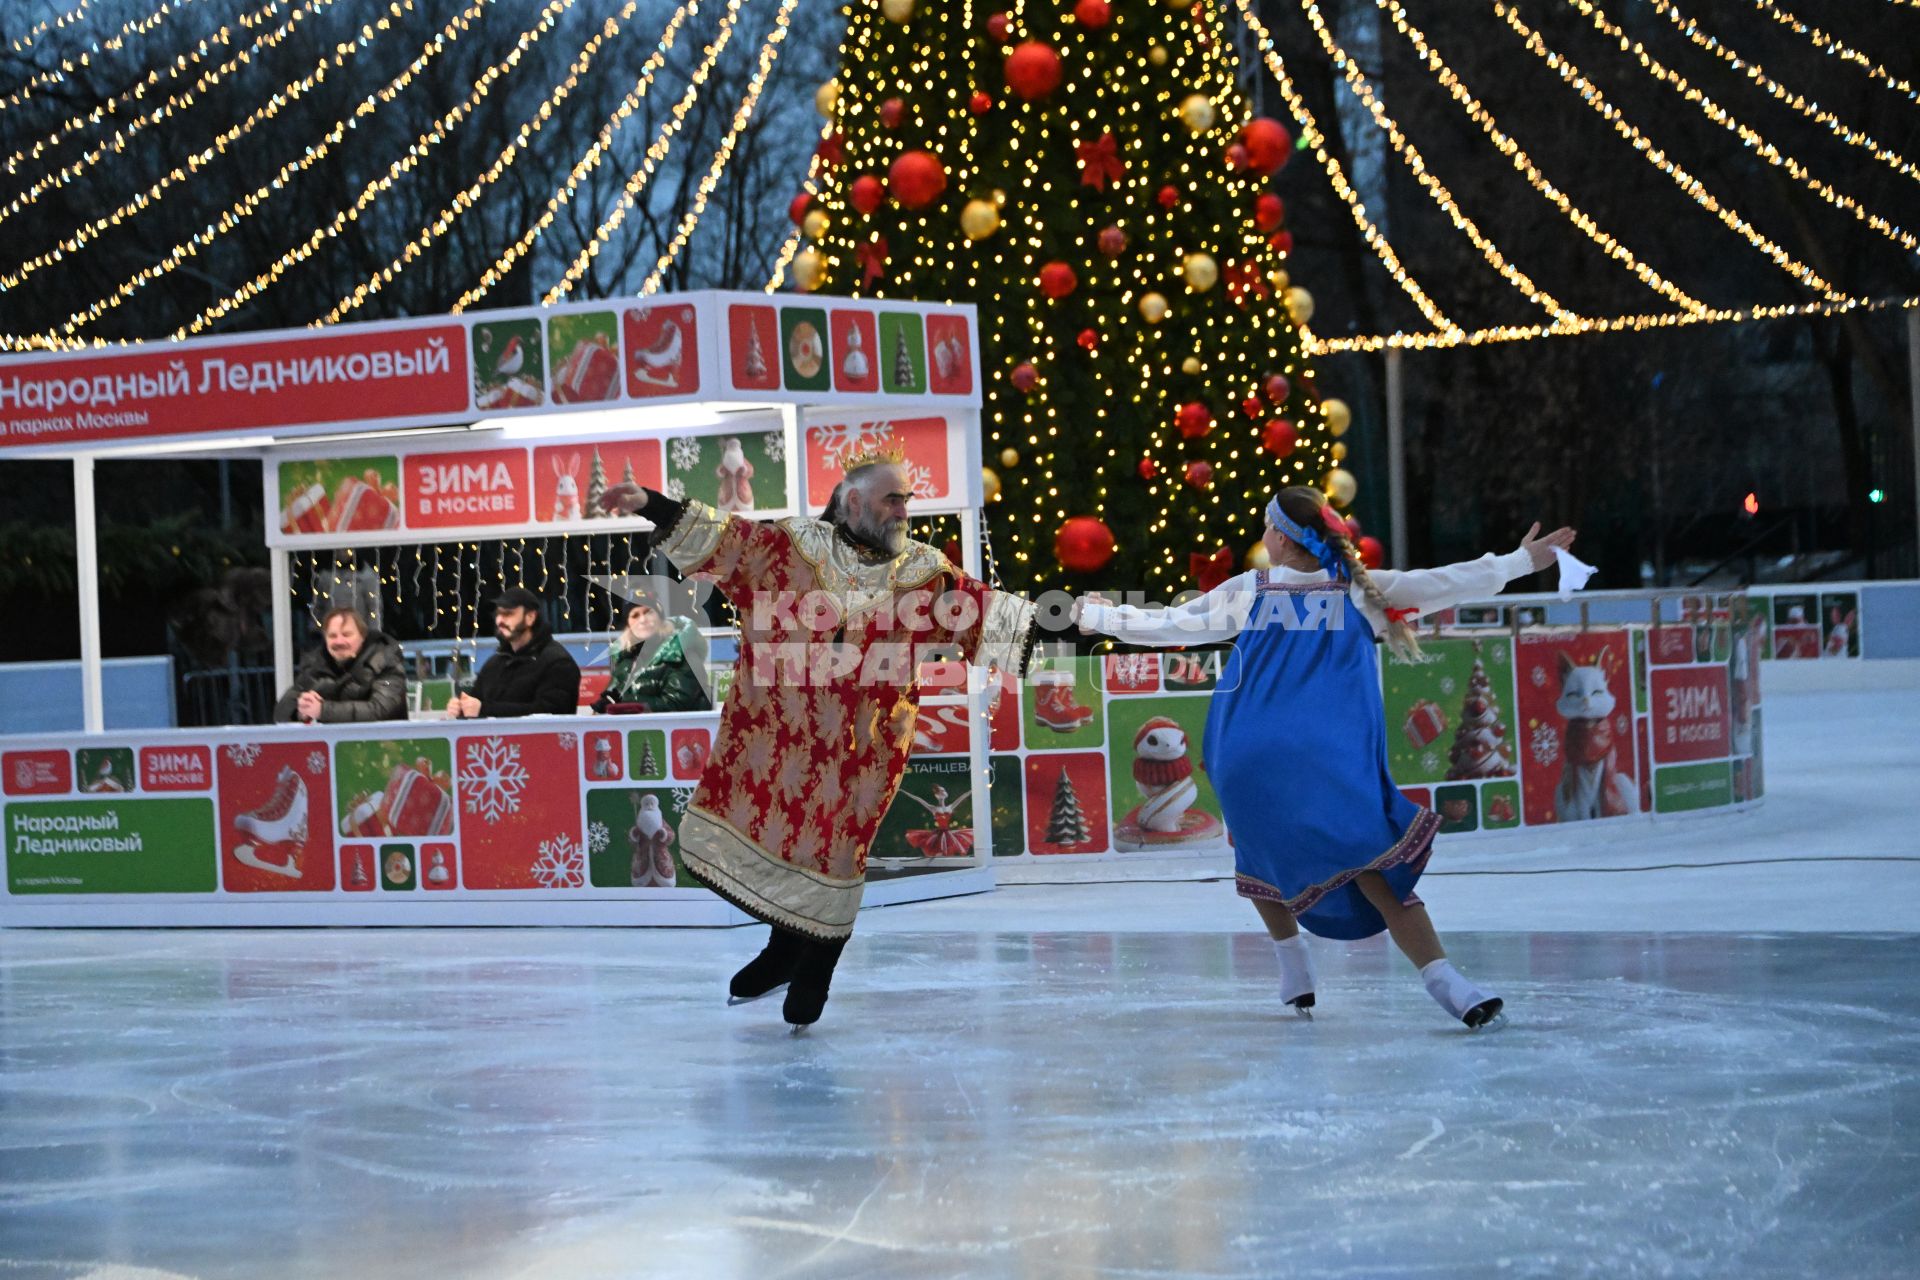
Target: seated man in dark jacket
[658,664]
[356,675]
[532,675]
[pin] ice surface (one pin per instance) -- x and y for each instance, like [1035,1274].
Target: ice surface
[1708,1072]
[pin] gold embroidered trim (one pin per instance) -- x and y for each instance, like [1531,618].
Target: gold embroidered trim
[726,860]
[839,568]
[695,536]
[1005,632]
[1414,847]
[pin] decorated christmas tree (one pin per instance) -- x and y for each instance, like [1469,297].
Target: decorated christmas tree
[647,765]
[1067,823]
[1480,746]
[1091,177]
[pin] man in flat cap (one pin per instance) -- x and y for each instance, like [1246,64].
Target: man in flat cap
[532,675]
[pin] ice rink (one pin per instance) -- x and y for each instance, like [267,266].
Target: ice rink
[1711,1068]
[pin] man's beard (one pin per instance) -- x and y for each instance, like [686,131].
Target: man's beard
[886,535]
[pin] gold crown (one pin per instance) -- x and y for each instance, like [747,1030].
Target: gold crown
[891,455]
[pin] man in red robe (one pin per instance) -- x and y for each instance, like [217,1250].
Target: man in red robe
[834,614]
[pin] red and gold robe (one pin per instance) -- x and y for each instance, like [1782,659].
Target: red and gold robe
[803,769]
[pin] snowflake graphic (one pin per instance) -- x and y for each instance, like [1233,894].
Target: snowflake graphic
[1430,761]
[598,836]
[682,797]
[676,489]
[244,754]
[1538,676]
[562,864]
[493,779]
[1447,684]
[1498,655]
[1133,668]
[776,446]
[838,440]
[316,762]
[1545,744]
[569,741]
[920,481]
[686,452]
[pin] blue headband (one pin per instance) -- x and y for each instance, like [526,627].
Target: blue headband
[1330,559]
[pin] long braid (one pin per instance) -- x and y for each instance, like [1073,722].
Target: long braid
[1400,639]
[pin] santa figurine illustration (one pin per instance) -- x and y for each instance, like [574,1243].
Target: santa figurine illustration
[736,477]
[944,841]
[652,842]
[1163,773]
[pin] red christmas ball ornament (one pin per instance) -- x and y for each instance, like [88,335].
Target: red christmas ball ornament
[1057,280]
[980,103]
[1278,388]
[892,112]
[1372,554]
[997,27]
[1033,69]
[1279,437]
[1236,157]
[798,209]
[1084,544]
[1147,469]
[1168,196]
[1268,144]
[917,179]
[1269,211]
[1112,241]
[1091,14]
[1024,377]
[1281,241]
[1193,420]
[1088,339]
[1199,474]
[1252,406]
[867,193]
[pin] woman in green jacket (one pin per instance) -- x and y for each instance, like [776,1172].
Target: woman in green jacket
[654,661]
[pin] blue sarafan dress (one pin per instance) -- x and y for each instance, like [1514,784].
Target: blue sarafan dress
[1296,742]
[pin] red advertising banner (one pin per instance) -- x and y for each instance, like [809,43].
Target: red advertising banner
[1575,708]
[923,440]
[469,487]
[386,374]
[186,768]
[36,773]
[275,836]
[1690,714]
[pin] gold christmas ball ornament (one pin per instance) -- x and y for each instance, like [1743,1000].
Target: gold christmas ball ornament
[1338,416]
[990,484]
[826,98]
[815,224]
[1157,55]
[1339,451]
[1190,366]
[1153,307]
[1339,486]
[999,198]
[808,268]
[1009,457]
[1299,305]
[897,10]
[979,219]
[1257,557]
[1279,279]
[1196,112]
[1200,271]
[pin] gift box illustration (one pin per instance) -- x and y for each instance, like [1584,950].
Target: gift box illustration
[363,504]
[306,511]
[415,802]
[1425,721]
[587,373]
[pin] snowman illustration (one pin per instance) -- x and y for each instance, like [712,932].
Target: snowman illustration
[1163,773]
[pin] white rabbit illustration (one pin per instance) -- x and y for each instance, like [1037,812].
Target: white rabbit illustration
[566,488]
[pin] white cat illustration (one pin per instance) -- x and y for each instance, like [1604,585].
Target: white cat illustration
[1591,784]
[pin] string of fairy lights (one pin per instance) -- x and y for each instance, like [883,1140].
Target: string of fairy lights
[1720,116]
[113,44]
[724,152]
[251,203]
[169,71]
[20,44]
[656,154]
[1757,75]
[342,53]
[1838,48]
[588,162]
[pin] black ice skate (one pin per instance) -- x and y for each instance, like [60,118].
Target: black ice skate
[768,972]
[807,996]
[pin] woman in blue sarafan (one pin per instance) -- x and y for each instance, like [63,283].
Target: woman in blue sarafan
[1338,849]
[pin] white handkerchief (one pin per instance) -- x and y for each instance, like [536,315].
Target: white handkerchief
[1574,572]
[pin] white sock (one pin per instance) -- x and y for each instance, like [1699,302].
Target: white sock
[1296,967]
[1451,989]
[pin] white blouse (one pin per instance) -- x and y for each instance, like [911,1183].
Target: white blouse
[1222,613]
